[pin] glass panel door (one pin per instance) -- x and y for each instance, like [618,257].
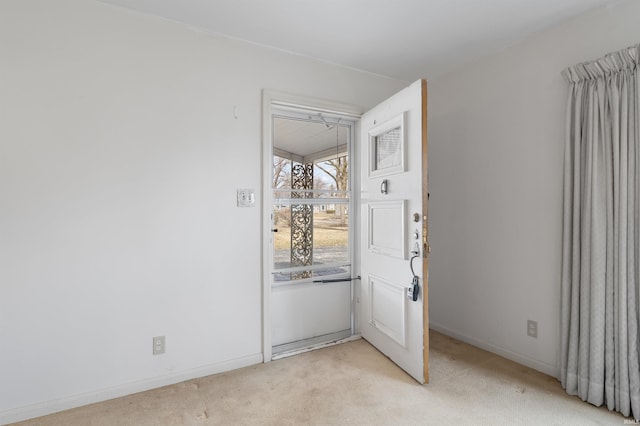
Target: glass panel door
[311,249]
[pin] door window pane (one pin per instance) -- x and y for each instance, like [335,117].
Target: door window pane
[388,149]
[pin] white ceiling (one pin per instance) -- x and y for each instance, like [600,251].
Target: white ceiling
[404,39]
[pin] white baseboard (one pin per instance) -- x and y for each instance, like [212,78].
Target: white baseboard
[543,367]
[53,406]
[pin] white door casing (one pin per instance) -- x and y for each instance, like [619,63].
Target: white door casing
[393,228]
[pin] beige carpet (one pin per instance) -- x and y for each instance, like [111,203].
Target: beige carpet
[354,384]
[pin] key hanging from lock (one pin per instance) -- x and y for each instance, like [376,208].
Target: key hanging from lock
[414,289]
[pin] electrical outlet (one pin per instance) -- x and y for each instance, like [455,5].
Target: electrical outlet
[532,328]
[158,345]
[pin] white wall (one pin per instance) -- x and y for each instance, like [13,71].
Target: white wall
[496,132]
[119,161]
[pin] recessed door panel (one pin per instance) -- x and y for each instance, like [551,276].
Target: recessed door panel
[386,223]
[388,304]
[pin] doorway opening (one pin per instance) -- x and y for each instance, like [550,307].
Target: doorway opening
[309,287]
[311,213]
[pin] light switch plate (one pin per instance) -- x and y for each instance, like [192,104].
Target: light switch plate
[246,198]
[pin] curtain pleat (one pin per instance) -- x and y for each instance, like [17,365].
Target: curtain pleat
[601,229]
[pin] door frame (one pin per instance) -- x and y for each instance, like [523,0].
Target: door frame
[272,98]
[426,248]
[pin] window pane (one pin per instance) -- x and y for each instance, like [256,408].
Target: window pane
[331,234]
[282,236]
[388,149]
[320,239]
[332,175]
[281,173]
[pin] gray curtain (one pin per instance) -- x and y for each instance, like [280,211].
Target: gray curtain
[601,244]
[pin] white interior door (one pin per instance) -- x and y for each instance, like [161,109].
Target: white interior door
[394,229]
